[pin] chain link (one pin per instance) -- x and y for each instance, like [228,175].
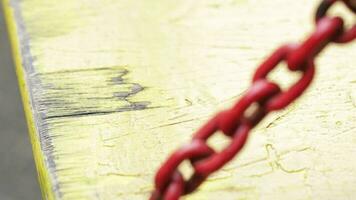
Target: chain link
[266,95]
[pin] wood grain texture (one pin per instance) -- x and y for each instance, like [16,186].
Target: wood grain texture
[110,88]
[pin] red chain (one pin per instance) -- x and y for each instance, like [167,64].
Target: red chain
[235,123]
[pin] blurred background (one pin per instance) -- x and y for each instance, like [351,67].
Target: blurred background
[18,178]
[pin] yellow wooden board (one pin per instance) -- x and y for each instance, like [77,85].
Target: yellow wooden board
[110,88]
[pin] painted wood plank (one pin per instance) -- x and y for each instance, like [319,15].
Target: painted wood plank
[110,88]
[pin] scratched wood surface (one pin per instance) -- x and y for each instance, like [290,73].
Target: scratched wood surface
[110,88]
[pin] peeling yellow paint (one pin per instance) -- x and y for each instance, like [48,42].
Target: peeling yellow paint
[110,88]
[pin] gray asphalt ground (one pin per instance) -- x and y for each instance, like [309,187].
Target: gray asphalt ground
[18,178]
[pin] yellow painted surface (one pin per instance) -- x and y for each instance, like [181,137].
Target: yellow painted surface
[110,88]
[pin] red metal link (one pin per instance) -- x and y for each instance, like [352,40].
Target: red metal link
[351,4]
[194,151]
[327,30]
[283,99]
[346,36]
[259,92]
[216,161]
[174,190]
[236,123]
[326,4]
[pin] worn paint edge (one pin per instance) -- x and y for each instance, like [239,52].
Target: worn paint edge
[43,173]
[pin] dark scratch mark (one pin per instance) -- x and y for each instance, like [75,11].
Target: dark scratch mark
[86,92]
[349,130]
[352,100]
[124,71]
[135,175]
[101,113]
[174,123]
[178,116]
[280,117]
[235,97]
[190,103]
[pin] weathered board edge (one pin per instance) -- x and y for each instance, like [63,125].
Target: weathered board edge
[43,173]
